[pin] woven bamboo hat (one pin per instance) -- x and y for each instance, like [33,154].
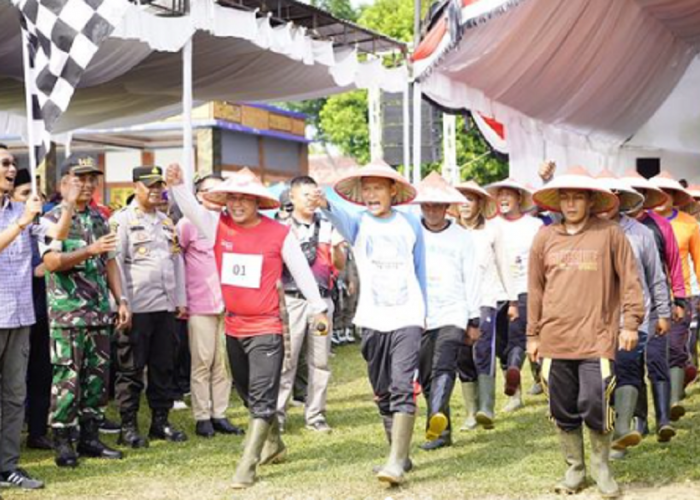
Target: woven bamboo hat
[243,182]
[577,178]
[673,188]
[350,186]
[488,204]
[630,199]
[526,202]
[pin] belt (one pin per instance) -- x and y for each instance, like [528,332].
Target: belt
[298,295]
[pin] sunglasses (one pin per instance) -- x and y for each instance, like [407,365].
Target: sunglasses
[9,163]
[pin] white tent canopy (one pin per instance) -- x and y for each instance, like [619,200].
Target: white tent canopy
[136,76]
[594,82]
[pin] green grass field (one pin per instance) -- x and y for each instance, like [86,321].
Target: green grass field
[519,459]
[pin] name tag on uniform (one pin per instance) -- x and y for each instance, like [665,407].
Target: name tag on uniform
[241,270]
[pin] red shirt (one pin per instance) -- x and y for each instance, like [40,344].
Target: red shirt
[249,261]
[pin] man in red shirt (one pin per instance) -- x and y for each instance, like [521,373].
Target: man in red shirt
[250,251]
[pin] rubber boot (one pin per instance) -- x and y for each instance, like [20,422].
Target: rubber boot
[600,465]
[677,385]
[244,477]
[487,398]
[625,403]
[662,407]
[469,393]
[387,421]
[65,454]
[536,388]
[439,421]
[516,357]
[641,412]
[572,449]
[401,432]
[515,402]
[129,435]
[274,451]
[90,444]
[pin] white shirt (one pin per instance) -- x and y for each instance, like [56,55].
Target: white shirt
[453,277]
[518,236]
[390,257]
[493,260]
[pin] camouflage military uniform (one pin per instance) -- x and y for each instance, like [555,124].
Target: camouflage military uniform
[80,317]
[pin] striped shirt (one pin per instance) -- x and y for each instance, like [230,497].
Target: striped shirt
[16,269]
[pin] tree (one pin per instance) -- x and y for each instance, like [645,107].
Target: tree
[345,123]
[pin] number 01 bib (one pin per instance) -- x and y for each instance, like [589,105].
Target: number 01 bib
[241,270]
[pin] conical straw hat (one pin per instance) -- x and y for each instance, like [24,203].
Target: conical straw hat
[243,182]
[629,198]
[653,196]
[488,204]
[576,178]
[350,186]
[665,181]
[526,203]
[435,189]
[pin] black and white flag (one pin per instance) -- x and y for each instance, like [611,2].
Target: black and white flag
[62,36]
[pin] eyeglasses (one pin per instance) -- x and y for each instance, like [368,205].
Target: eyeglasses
[7,163]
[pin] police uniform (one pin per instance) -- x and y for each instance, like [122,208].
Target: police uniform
[80,320]
[149,255]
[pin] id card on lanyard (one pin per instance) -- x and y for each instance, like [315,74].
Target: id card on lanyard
[241,270]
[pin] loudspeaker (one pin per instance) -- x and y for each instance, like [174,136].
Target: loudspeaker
[649,167]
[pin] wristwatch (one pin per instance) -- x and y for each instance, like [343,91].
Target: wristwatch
[124,301]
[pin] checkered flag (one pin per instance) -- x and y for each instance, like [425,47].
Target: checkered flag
[62,36]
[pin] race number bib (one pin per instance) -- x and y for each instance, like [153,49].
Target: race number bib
[241,270]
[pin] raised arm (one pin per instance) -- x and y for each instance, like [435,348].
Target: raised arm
[204,220]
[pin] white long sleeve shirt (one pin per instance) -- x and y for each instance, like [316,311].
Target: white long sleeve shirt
[518,236]
[497,282]
[453,277]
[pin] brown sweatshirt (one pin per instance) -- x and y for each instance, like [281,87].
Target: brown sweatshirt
[577,284]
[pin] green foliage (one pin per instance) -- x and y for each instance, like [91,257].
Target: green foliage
[476,161]
[393,18]
[345,123]
[341,9]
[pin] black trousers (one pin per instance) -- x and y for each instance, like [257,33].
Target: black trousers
[39,374]
[439,352]
[392,366]
[579,391]
[182,361]
[256,364]
[517,337]
[150,343]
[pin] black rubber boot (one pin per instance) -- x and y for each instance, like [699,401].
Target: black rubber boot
[662,407]
[162,429]
[90,444]
[65,454]
[677,387]
[129,435]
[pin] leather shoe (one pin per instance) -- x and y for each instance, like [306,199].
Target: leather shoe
[39,443]
[223,426]
[204,429]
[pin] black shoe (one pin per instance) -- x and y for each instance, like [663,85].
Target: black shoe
[440,442]
[204,429]
[129,435]
[223,426]
[19,478]
[90,444]
[39,443]
[162,429]
[63,446]
[110,427]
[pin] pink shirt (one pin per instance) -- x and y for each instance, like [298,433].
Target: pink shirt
[201,275]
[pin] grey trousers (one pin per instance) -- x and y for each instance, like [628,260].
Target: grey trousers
[14,354]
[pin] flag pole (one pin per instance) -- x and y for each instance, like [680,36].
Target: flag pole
[28,92]
[187,146]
